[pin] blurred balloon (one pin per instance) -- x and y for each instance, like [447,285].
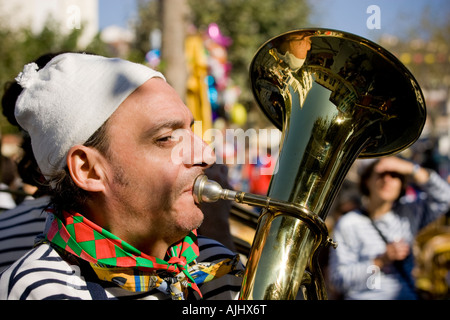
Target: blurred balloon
[153,57]
[215,34]
[238,114]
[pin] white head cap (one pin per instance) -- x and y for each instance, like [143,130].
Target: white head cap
[65,102]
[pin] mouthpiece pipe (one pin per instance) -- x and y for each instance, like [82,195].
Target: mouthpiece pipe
[210,191]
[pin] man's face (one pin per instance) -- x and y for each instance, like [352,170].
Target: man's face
[299,46]
[148,186]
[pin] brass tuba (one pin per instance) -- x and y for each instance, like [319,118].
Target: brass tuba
[336,97]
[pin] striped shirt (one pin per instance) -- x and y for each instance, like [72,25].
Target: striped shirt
[18,229]
[351,268]
[42,274]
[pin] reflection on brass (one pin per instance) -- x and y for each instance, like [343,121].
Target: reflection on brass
[432,254]
[335,97]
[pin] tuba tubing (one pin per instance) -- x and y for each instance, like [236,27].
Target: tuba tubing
[206,190]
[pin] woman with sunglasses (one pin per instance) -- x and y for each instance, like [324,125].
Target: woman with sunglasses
[374,257]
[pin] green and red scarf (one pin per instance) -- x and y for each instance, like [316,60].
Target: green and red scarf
[117,261]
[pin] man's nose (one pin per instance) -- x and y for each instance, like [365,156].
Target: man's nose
[202,153]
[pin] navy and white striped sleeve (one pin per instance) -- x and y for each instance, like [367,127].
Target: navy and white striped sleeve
[19,228]
[226,287]
[41,274]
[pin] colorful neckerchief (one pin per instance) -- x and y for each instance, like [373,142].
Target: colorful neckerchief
[115,260]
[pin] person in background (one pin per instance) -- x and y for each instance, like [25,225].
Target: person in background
[114,143]
[22,224]
[374,259]
[8,176]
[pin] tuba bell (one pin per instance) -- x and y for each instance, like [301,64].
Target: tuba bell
[335,97]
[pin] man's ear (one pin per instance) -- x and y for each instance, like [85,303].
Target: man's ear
[85,168]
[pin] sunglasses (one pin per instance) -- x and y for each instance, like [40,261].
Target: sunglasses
[390,173]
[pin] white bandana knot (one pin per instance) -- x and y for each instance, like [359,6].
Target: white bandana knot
[29,73]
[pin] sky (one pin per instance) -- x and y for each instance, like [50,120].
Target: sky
[397,17]
[394,17]
[116,12]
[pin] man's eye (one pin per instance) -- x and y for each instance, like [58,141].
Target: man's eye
[171,137]
[166,139]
